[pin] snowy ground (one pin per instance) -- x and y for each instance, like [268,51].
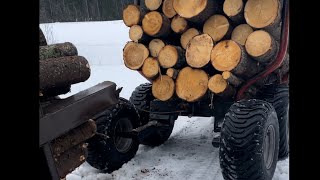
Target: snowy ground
[188,154]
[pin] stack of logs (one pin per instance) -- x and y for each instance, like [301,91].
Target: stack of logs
[59,67]
[187,47]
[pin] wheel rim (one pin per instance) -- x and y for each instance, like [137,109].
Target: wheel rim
[269,146]
[122,144]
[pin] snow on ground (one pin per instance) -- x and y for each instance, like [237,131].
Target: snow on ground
[188,154]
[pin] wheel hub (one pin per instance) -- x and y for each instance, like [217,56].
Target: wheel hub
[122,144]
[269,146]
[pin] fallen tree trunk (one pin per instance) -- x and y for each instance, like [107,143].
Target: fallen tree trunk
[134,55]
[218,85]
[133,15]
[261,46]
[163,88]
[42,38]
[191,84]
[57,50]
[156,24]
[63,71]
[150,68]
[172,56]
[199,50]
[229,56]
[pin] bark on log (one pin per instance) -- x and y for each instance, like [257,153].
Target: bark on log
[241,33]
[167,8]
[153,5]
[229,56]
[196,11]
[133,15]
[218,27]
[264,14]
[232,79]
[70,160]
[155,46]
[136,35]
[199,50]
[179,24]
[191,84]
[156,24]
[187,36]
[261,46]
[218,85]
[55,91]
[74,137]
[173,73]
[172,56]
[150,68]
[57,50]
[163,88]
[234,9]
[63,71]
[134,55]
[42,38]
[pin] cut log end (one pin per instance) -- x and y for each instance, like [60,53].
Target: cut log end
[226,55]
[131,15]
[153,4]
[199,50]
[167,8]
[163,88]
[187,36]
[217,26]
[179,24]
[217,84]
[135,33]
[189,8]
[155,46]
[232,7]
[168,56]
[191,84]
[134,55]
[260,14]
[232,79]
[155,24]
[150,67]
[173,73]
[258,43]
[241,33]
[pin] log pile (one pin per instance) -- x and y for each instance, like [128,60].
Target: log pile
[59,67]
[189,48]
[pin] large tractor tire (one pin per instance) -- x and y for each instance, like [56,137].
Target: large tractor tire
[278,96]
[107,150]
[153,135]
[249,141]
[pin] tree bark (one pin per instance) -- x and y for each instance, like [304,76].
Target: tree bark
[63,71]
[57,50]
